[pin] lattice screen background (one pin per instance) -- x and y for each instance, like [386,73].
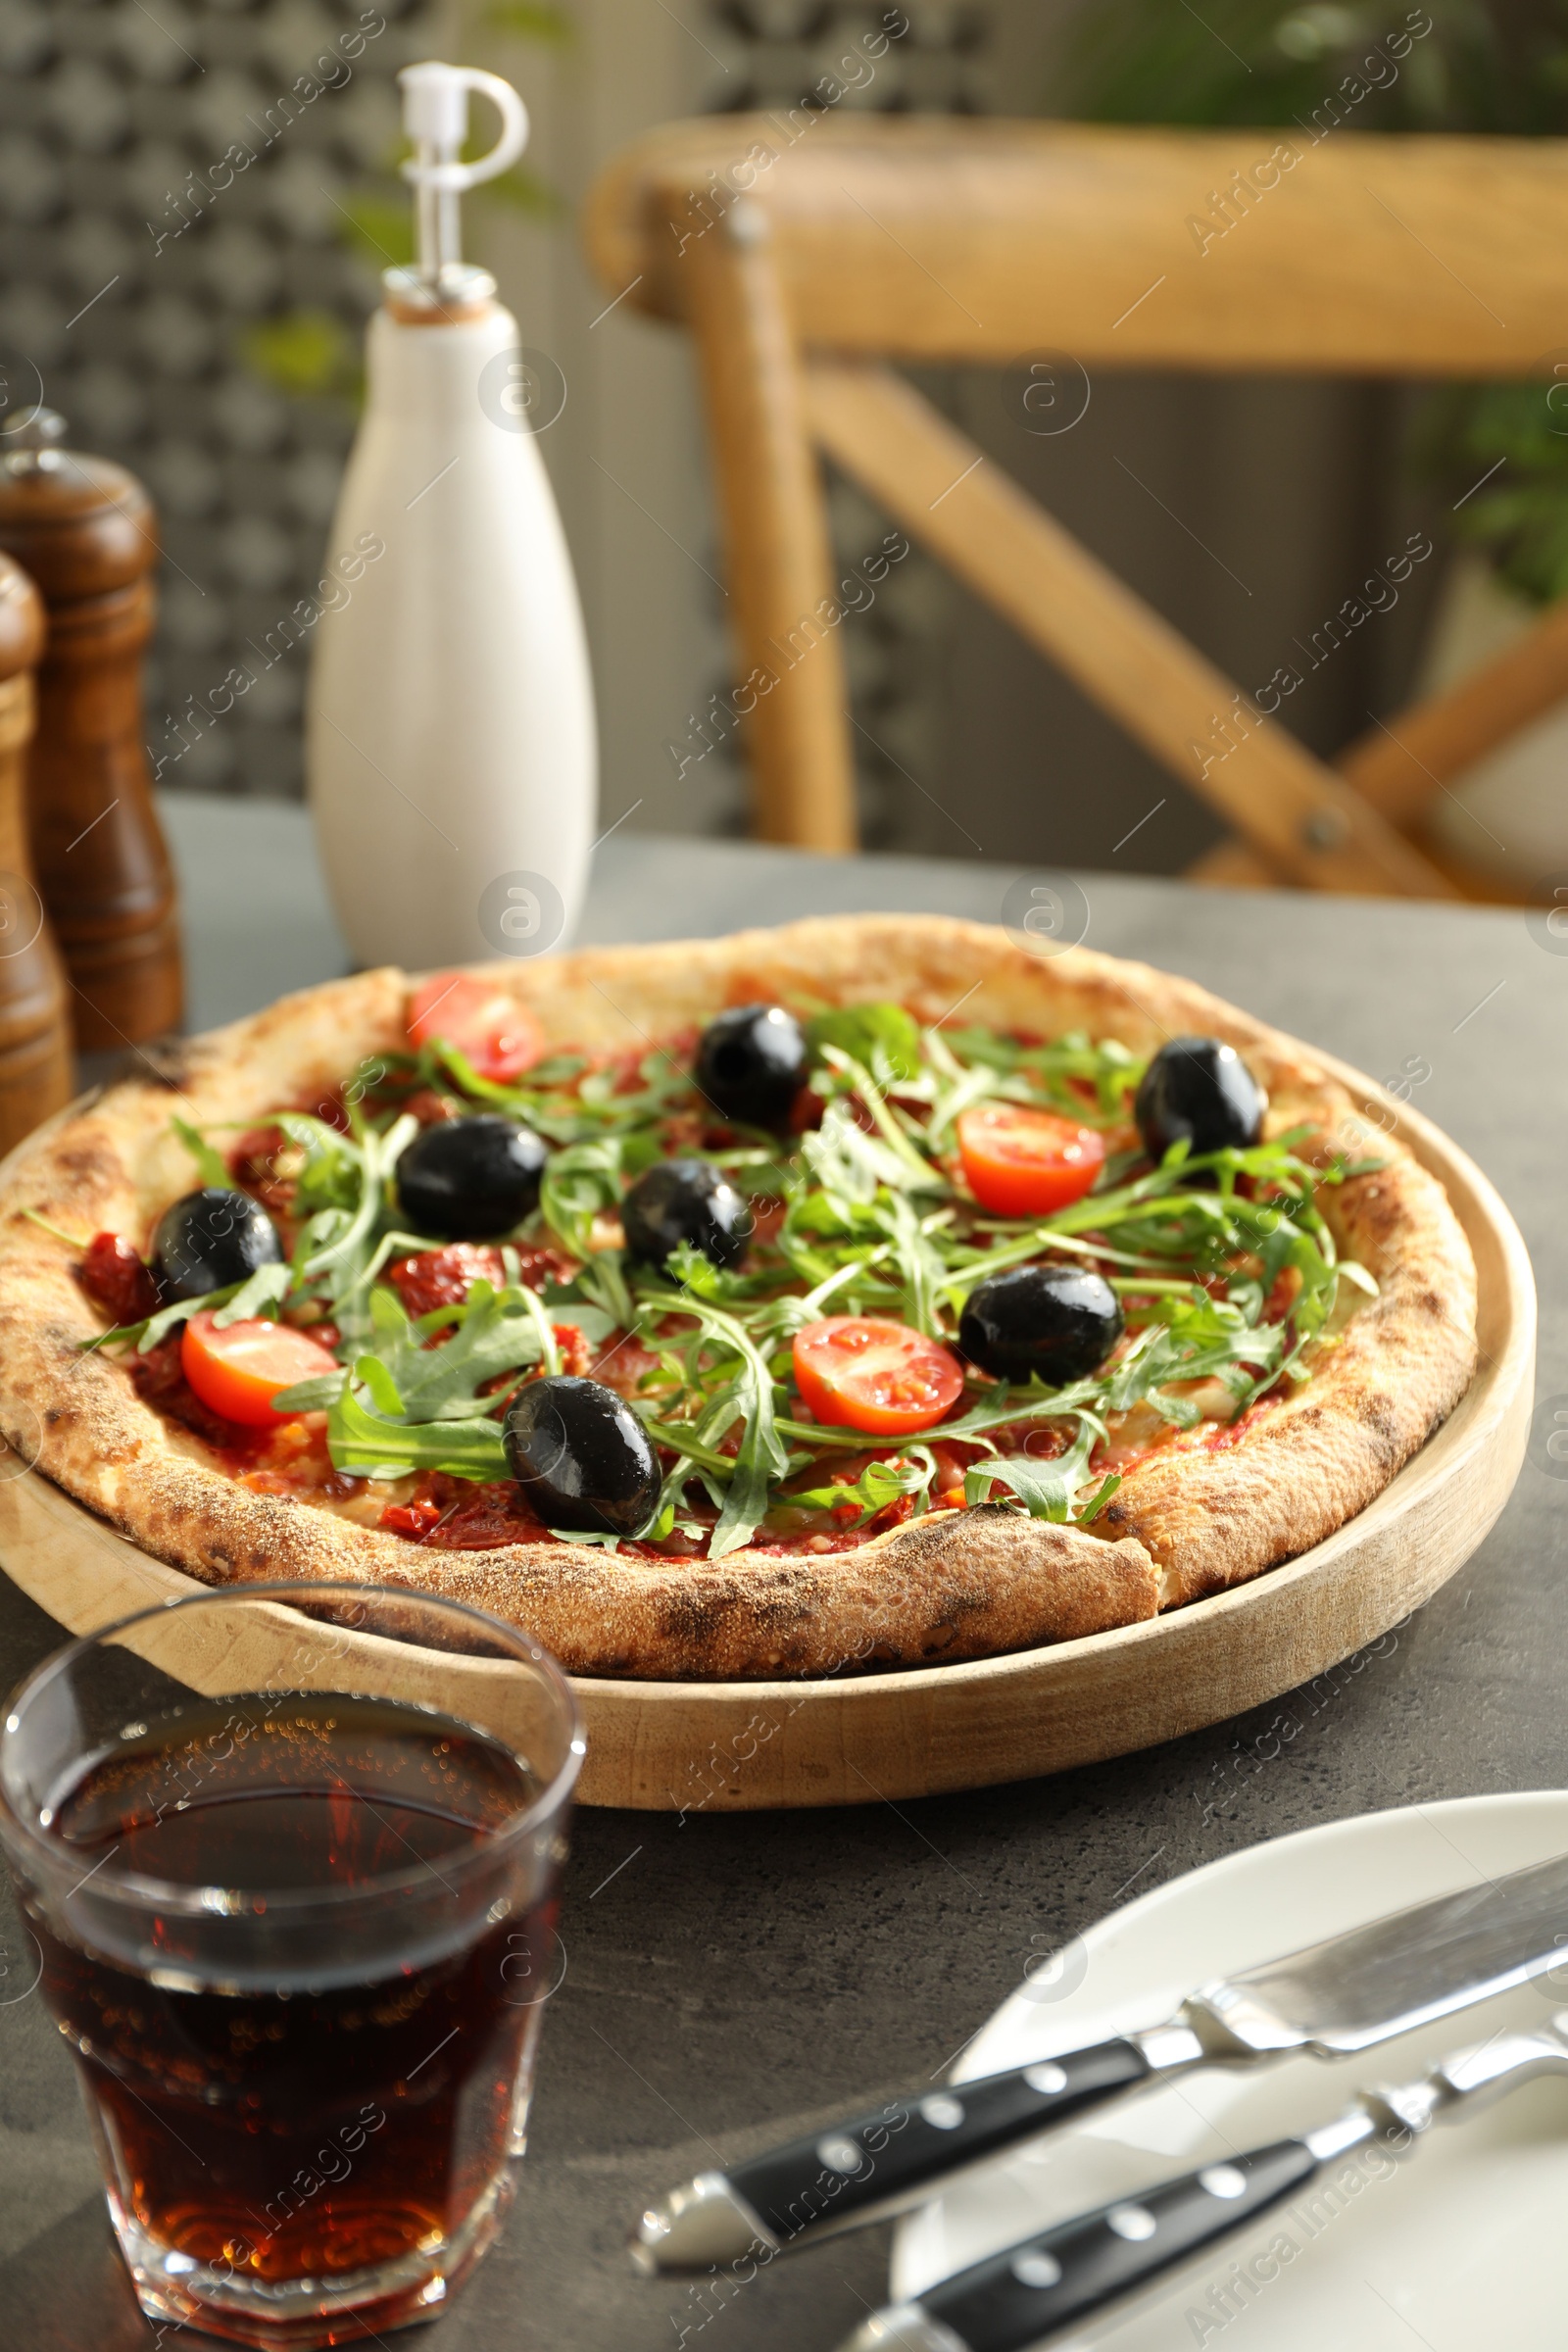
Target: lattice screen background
[107,108]
[104,112]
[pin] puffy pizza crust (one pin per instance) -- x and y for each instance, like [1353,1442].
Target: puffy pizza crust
[954,1585]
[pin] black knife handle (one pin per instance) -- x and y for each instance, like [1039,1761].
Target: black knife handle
[1053,2280]
[876,2162]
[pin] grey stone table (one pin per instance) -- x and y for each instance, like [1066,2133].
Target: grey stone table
[739,1973]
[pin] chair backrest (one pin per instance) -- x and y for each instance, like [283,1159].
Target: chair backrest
[802,249]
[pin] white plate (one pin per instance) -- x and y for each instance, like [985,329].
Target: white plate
[1456,2247]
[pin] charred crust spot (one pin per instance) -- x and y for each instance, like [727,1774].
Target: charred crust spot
[165,1066]
[1380,1414]
[90,1160]
[696,1618]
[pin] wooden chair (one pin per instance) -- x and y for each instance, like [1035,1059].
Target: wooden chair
[802,251]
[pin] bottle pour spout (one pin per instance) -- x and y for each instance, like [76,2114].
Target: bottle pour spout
[435,116]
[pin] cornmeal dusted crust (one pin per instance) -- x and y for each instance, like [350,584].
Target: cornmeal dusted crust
[949,1587]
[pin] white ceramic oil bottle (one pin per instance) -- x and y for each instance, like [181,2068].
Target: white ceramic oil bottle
[451,749]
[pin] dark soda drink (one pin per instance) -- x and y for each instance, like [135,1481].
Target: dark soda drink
[291,1856]
[312,2128]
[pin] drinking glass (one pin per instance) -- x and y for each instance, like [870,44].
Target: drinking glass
[291,1855]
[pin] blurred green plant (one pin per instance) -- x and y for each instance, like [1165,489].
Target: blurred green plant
[531,21]
[309,354]
[1254,61]
[1500,69]
[1514,434]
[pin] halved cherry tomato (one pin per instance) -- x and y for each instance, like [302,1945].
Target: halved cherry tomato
[240,1370]
[859,1372]
[1023,1163]
[498,1038]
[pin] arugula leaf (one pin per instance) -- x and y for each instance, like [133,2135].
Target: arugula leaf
[493,1331]
[878,1485]
[384,1392]
[56,1233]
[316,1395]
[848,1164]
[578,1186]
[906,1165]
[213,1167]
[1046,1489]
[267,1287]
[1092,1505]
[747,1397]
[332,1170]
[581,1184]
[920,1262]
[963,1089]
[562,1305]
[698,1276]
[883,1037]
[337,1247]
[1058,1069]
[819,1438]
[368,1445]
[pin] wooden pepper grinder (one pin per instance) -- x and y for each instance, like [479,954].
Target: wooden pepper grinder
[35,1075]
[84,530]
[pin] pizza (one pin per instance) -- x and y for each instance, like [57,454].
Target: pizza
[866,1294]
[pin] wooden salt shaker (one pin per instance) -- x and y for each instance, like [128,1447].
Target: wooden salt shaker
[84,530]
[35,1074]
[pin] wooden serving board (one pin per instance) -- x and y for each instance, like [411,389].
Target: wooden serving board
[739,1746]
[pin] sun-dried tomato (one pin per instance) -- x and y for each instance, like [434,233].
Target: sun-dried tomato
[444,1277]
[452,1514]
[413,1519]
[333,1112]
[114,1278]
[254,1162]
[431,1108]
[159,1381]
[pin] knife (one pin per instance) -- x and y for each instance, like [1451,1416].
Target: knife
[1029,2292]
[1328,2001]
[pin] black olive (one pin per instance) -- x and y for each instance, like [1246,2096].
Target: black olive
[686,1200]
[581,1456]
[750,1063]
[470,1180]
[209,1239]
[1060,1322]
[1202,1091]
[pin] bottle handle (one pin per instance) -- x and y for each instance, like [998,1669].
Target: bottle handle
[436,115]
